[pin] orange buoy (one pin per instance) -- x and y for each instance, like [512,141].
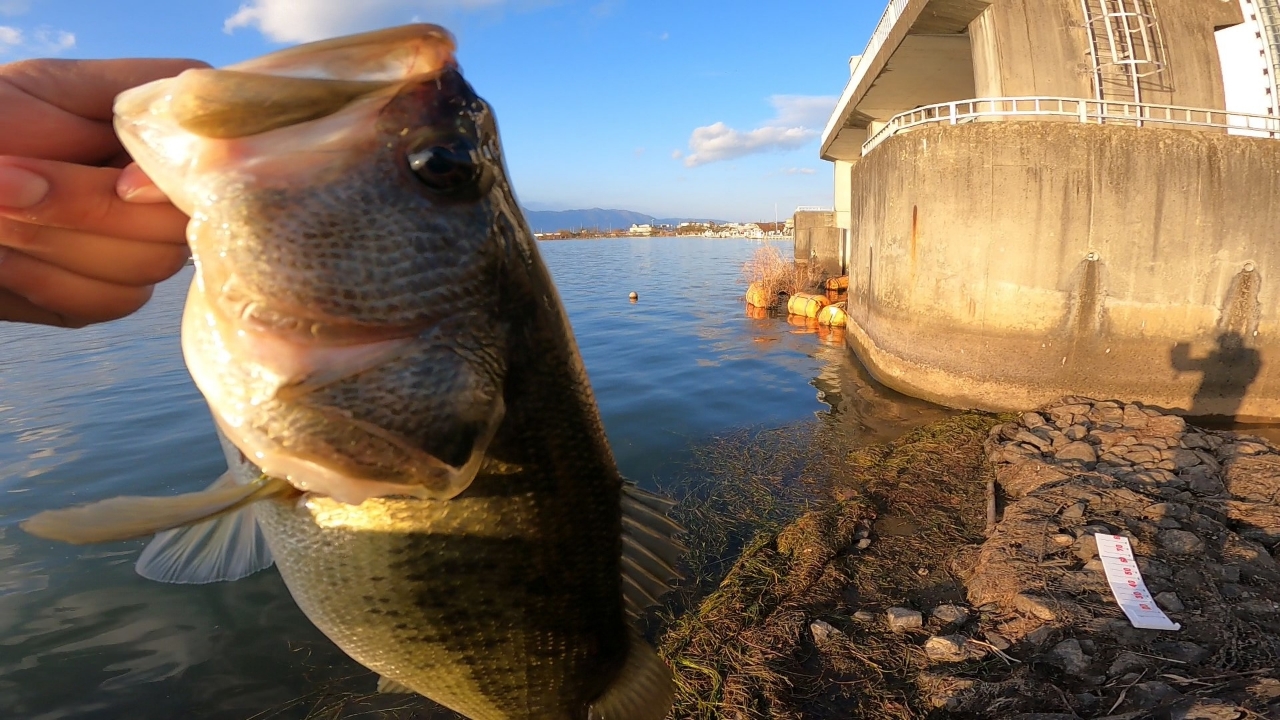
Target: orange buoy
[756,312]
[806,304]
[832,315]
[801,321]
[838,283]
[757,296]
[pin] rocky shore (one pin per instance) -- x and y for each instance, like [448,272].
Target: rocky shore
[956,574]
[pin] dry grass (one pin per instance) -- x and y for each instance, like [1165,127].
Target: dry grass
[777,274]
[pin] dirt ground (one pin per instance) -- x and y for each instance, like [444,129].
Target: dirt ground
[953,573]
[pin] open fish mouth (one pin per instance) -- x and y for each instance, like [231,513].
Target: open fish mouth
[283,317]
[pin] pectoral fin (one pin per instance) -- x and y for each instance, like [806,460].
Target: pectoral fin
[226,548]
[126,518]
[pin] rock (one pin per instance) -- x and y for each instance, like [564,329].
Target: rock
[1150,695]
[903,619]
[1132,416]
[1182,459]
[1142,455]
[1194,441]
[1086,548]
[1025,477]
[1038,636]
[1188,578]
[1095,565]
[951,614]
[1076,432]
[1181,542]
[1035,606]
[1180,650]
[1081,451]
[823,631]
[1063,540]
[1169,524]
[1127,662]
[952,648]
[1232,591]
[1206,709]
[1068,413]
[1225,573]
[1069,656]
[1106,414]
[1075,512]
[1209,485]
[1176,511]
[1170,602]
[997,641]
[1087,702]
[1166,425]
[864,616]
[863,544]
[1032,439]
[1152,568]
[1031,420]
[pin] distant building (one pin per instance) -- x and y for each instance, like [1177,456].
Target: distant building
[645,229]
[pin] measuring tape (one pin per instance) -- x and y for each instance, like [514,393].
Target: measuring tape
[1127,586]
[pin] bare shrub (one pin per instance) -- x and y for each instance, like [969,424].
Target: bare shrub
[776,274]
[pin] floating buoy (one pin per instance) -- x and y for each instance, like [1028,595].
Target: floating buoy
[832,315]
[802,321]
[634,296]
[806,305]
[756,312]
[757,296]
[838,283]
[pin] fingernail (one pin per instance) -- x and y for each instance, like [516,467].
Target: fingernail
[134,186]
[21,188]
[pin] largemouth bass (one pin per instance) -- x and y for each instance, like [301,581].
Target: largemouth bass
[410,434]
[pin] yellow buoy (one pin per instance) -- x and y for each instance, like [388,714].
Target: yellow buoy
[757,296]
[832,315]
[838,283]
[806,305]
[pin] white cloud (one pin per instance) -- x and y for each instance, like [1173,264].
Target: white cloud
[665,36]
[677,154]
[799,171]
[43,41]
[796,121]
[305,20]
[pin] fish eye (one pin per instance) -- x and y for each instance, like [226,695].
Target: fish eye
[451,169]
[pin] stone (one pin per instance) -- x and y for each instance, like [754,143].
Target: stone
[1032,420]
[1225,573]
[1127,662]
[1029,438]
[864,616]
[1152,694]
[1086,548]
[1035,606]
[1075,432]
[1132,416]
[1194,441]
[863,544]
[1166,425]
[951,614]
[1209,485]
[952,648]
[823,631]
[1209,461]
[1170,602]
[1087,702]
[1038,636]
[1206,709]
[1232,591]
[1095,565]
[1075,512]
[1180,650]
[1143,455]
[1152,568]
[902,619]
[1182,459]
[1081,451]
[1177,511]
[1069,656]
[1021,479]
[1112,414]
[1188,578]
[1181,542]
[1067,413]
[997,641]
[1063,540]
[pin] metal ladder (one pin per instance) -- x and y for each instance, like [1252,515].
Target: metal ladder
[1125,46]
[1268,13]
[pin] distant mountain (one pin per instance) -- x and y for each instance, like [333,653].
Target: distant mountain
[553,220]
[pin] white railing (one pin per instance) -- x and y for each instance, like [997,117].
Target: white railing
[1085,111]
[887,22]
[813,208]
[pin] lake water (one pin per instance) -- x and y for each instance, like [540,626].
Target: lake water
[110,410]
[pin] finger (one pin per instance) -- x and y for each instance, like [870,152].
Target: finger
[70,102]
[84,199]
[77,298]
[113,260]
[15,308]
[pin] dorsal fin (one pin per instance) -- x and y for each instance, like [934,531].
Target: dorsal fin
[643,689]
[650,551]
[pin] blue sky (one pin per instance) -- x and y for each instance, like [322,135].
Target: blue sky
[677,108]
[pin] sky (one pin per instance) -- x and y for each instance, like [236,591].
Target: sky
[675,108]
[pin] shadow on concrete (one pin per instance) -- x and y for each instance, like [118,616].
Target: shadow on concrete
[1227,372]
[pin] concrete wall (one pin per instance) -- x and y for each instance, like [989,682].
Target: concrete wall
[1041,47]
[806,223]
[1000,265]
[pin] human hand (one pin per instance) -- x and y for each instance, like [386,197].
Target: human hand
[81,239]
